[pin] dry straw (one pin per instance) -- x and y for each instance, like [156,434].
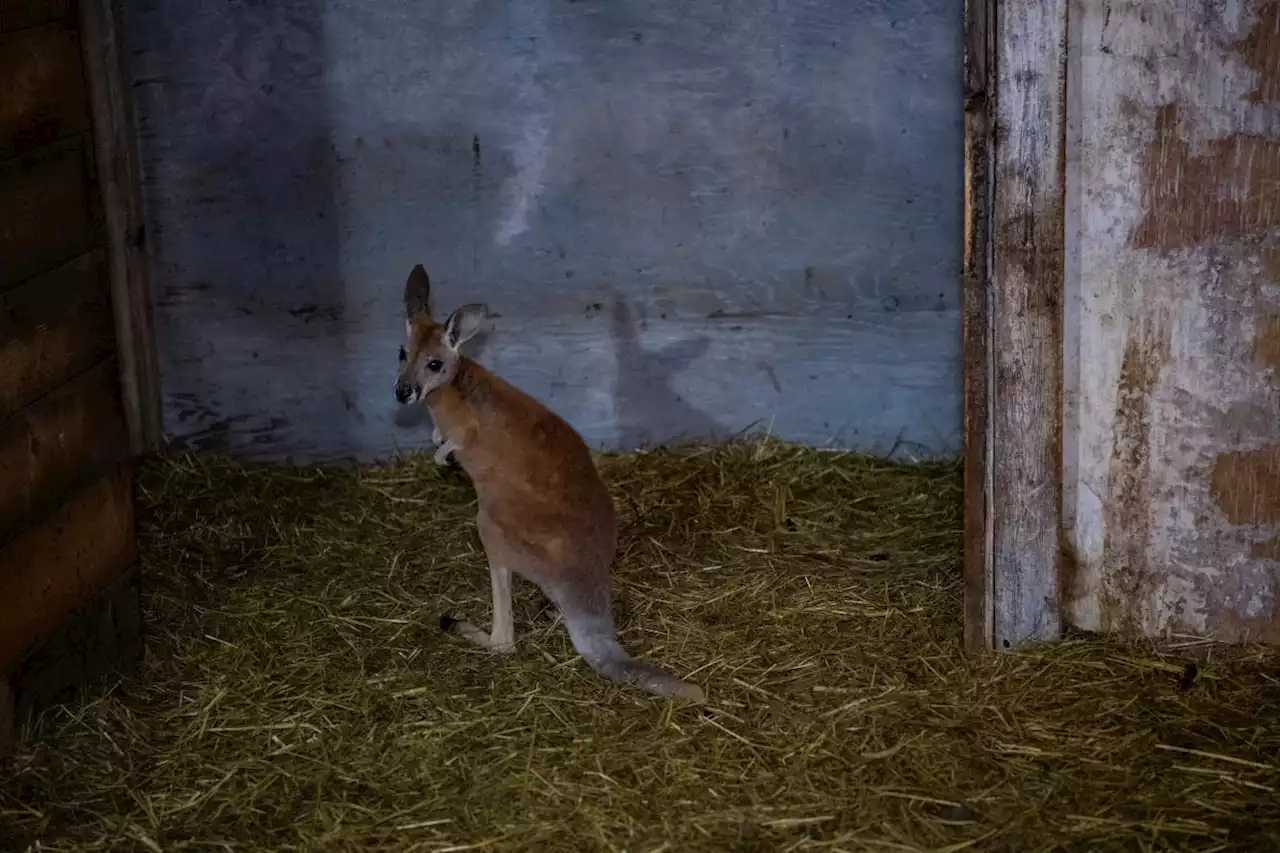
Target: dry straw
[298,695]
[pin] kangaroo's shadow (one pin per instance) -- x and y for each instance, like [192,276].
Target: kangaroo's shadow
[647,408]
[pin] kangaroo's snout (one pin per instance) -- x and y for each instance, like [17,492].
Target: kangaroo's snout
[404,392]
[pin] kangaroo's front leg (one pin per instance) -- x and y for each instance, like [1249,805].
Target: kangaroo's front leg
[443,448]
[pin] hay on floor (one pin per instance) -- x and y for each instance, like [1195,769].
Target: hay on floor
[299,696]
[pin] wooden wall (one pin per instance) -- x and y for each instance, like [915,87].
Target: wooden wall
[1172,451]
[67,532]
[689,219]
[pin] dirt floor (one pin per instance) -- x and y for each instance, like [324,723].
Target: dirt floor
[298,694]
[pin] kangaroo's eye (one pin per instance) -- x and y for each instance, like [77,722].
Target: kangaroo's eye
[434,365]
[404,356]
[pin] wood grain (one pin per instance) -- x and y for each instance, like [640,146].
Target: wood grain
[1028,217]
[46,211]
[976,325]
[52,328]
[20,14]
[68,438]
[44,92]
[50,570]
[120,192]
[620,381]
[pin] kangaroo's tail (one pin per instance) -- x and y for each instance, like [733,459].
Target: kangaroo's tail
[596,640]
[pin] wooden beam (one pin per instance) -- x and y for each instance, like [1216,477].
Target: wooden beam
[120,189]
[1025,373]
[978,86]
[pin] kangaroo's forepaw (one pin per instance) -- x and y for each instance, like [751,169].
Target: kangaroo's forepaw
[441,456]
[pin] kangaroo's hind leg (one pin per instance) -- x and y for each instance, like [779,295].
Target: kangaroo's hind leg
[502,636]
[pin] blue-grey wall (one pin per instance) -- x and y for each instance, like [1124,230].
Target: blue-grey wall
[689,217]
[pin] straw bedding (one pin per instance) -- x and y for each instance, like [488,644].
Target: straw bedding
[299,696]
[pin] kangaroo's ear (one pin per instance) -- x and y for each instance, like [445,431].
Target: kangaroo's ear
[417,293]
[463,324]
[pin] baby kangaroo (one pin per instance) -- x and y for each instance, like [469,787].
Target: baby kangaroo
[544,512]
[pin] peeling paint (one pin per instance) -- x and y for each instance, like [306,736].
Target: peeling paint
[1271,263]
[1246,485]
[1266,550]
[1266,341]
[1192,199]
[1128,518]
[1261,50]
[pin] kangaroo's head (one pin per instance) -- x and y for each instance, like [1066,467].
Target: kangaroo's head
[429,357]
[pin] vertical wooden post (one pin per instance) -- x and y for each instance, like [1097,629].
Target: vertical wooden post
[977,330]
[1015,246]
[120,190]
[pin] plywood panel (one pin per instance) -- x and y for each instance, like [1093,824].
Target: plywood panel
[44,88]
[1178,433]
[65,440]
[52,328]
[47,572]
[45,212]
[789,169]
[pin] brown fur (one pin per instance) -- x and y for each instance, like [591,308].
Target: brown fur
[544,512]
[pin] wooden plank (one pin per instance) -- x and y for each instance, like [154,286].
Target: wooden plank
[49,571]
[1028,217]
[52,328]
[68,438]
[621,385]
[21,14]
[1177,506]
[120,191]
[976,325]
[45,212]
[45,98]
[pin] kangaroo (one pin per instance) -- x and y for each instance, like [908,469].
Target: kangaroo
[544,511]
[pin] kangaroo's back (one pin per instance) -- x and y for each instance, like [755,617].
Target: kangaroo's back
[524,460]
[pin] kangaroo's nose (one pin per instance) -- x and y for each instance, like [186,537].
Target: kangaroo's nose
[404,391]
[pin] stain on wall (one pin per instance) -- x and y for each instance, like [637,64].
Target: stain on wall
[1176,433]
[1128,510]
[689,220]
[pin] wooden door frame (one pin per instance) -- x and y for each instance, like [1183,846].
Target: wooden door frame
[1014,250]
[119,177]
